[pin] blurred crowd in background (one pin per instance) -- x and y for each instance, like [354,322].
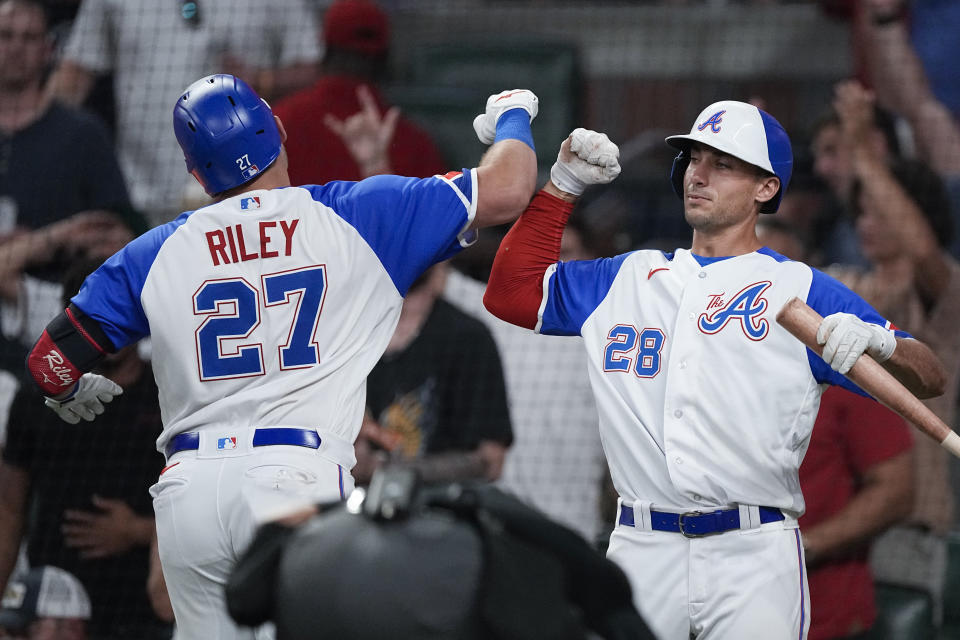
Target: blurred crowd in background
[867,90]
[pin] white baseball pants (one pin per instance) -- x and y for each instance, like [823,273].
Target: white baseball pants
[749,583]
[208,504]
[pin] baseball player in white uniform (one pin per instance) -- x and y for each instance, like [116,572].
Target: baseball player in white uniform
[267,310]
[706,404]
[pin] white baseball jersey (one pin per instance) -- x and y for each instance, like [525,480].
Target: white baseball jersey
[271,307]
[704,400]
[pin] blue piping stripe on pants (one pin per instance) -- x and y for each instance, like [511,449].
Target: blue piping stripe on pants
[802,603]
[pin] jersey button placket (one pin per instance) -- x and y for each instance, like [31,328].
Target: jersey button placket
[678,413]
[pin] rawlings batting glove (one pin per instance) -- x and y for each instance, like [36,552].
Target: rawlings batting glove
[86,401]
[846,337]
[498,104]
[592,159]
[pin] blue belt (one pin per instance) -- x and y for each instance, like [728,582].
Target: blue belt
[694,524]
[261,438]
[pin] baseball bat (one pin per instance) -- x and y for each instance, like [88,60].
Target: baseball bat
[802,321]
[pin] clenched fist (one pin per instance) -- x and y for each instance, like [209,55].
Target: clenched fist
[498,104]
[586,157]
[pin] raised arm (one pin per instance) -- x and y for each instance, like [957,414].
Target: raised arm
[884,196]
[515,289]
[898,77]
[507,175]
[366,134]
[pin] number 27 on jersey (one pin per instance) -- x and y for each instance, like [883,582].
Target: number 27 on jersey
[232,312]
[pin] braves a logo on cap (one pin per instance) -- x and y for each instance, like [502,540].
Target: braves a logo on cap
[250,203]
[746,306]
[226,443]
[713,122]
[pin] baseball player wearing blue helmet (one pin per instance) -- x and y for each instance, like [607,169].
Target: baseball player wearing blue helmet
[744,132]
[266,309]
[227,132]
[706,404]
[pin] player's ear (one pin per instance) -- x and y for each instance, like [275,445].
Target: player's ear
[767,187]
[283,132]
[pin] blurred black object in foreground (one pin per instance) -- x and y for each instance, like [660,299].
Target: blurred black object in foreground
[451,561]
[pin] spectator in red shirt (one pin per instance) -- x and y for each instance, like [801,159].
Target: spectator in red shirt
[857,481]
[356,34]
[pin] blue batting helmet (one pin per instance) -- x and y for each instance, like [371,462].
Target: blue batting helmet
[743,131]
[227,132]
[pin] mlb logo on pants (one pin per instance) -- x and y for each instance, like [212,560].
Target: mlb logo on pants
[227,443]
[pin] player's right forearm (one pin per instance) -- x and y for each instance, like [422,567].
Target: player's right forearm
[898,78]
[70,83]
[917,368]
[515,289]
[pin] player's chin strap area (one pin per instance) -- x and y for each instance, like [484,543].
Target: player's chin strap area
[696,524]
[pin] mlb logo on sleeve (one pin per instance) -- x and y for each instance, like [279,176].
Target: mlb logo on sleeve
[226,443]
[250,203]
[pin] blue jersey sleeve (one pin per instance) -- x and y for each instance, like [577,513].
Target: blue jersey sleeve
[410,223]
[111,294]
[574,290]
[827,296]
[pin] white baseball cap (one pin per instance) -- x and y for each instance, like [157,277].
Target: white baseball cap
[743,131]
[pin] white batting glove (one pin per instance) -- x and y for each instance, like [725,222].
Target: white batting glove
[589,158]
[485,124]
[846,337]
[87,400]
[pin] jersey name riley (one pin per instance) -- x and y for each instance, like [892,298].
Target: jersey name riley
[242,242]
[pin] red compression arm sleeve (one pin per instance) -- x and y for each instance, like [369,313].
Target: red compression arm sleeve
[515,289]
